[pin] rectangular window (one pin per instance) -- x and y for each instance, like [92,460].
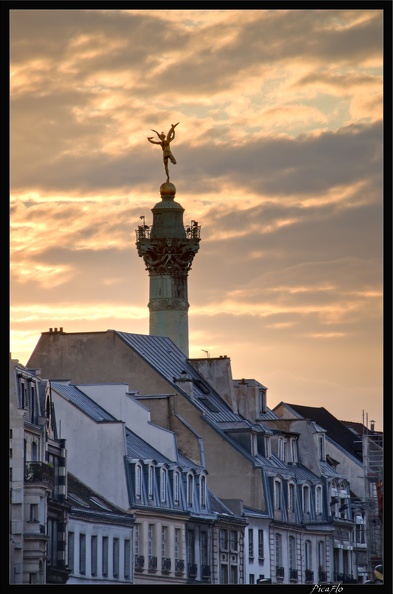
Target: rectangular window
[260,545]
[177,543]
[293,450]
[82,554]
[321,449]
[233,540]
[34,512]
[321,555]
[291,497]
[190,489]
[278,550]
[138,482]
[150,544]
[116,557]
[70,559]
[292,553]
[233,579]
[105,551]
[224,540]
[277,495]
[93,544]
[223,573]
[252,579]
[176,488]
[318,499]
[307,554]
[191,546]
[204,549]
[163,484]
[150,483]
[127,559]
[251,543]
[136,539]
[164,536]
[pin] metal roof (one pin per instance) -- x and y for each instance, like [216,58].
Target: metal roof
[166,358]
[82,401]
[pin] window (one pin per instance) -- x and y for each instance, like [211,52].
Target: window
[293,450]
[307,555]
[127,559]
[280,448]
[359,535]
[318,499]
[150,544]
[34,512]
[233,540]
[321,555]
[138,481]
[176,488]
[191,546]
[251,543]
[268,447]
[291,497]
[136,539]
[292,552]
[277,495]
[82,554]
[223,539]
[202,488]
[163,480]
[254,444]
[306,499]
[70,560]
[262,401]
[233,579]
[284,450]
[260,545]
[52,542]
[190,489]
[321,447]
[116,557]
[105,551]
[150,481]
[223,573]
[164,537]
[204,549]
[93,554]
[251,579]
[177,542]
[278,550]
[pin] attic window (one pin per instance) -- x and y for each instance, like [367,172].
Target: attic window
[212,407]
[78,500]
[262,401]
[99,503]
[202,386]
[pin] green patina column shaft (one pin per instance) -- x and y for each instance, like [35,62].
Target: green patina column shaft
[168,249]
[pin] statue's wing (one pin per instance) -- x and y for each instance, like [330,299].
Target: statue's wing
[155,132]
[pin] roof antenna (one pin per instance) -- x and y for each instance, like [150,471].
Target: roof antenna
[207,352]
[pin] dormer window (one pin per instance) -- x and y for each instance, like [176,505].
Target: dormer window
[254,444]
[282,448]
[293,450]
[163,484]
[318,499]
[262,401]
[138,481]
[202,491]
[306,499]
[268,447]
[277,494]
[190,489]
[321,447]
[176,487]
[150,481]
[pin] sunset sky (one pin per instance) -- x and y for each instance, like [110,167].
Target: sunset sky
[279,158]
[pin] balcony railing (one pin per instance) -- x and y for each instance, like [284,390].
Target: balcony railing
[322,576]
[39,472]
[309,575]
[179,566]
[192,570]
[280,571]
[152,563]
[165,565]
[206,572]
[293,575]
[344,578]
[139,562]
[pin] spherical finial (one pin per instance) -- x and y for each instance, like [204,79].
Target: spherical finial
[167,189]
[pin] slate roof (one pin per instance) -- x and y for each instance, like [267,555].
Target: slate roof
[335,429]
[166,358]
[84,501]
[74,395]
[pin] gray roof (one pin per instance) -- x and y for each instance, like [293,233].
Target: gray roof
[82,401]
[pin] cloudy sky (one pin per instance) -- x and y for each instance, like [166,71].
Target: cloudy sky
[279,159]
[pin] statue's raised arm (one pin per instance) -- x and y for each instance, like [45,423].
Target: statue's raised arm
[164,142]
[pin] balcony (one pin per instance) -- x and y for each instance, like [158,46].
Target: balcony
[165,565]
[280,572]
[192,570]
[139,562]
[39,472]
[179,566]
[344,578]
[309,577]
[206,572]
[152,564]
[293,575]
[322,576]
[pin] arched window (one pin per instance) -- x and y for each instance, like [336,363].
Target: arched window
[306,499]
[176,487]
[190,489]
[277,494]
[291,497]
[163,483]
[138,481]
[150,488]
[318,499]
[202,491]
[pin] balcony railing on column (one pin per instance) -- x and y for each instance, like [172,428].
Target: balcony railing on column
[344,578]
[280,572]
[179,566]
[206,572]
[293,575]
[192,570]
[322,576]
[309,575]
[139,562]
[152,564]
[165,565]
[39,472]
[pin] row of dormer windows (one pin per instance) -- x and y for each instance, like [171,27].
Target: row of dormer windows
[291,497]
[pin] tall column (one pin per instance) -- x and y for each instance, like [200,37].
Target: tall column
[168,249]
